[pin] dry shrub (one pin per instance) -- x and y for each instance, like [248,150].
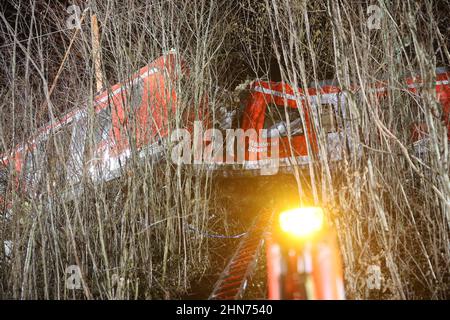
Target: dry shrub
[129,236]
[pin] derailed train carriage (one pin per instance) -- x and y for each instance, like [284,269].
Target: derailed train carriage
[318,123]
[289,124]
[96,140]
[281,128]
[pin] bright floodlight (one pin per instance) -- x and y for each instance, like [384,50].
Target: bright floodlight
[301,222]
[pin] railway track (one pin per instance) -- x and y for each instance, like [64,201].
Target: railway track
[233,281]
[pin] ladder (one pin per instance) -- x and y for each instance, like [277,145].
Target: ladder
[234,279]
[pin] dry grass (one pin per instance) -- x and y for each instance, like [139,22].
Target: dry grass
[129,236]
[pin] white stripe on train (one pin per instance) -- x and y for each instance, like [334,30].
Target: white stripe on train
[326,96]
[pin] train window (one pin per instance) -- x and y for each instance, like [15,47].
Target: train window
[102,125]
[4,176]
[79,135]
[57,154]
[328,120]
[34,162]
[136,91]
[276,121]
[77,149]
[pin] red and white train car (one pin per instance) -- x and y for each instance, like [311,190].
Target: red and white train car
[134,116]
[100,143]
[291,117]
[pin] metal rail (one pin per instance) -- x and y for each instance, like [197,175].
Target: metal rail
[234,279]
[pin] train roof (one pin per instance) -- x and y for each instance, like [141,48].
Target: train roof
[166,62]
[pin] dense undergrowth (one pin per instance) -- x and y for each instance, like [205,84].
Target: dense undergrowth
[130,237]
